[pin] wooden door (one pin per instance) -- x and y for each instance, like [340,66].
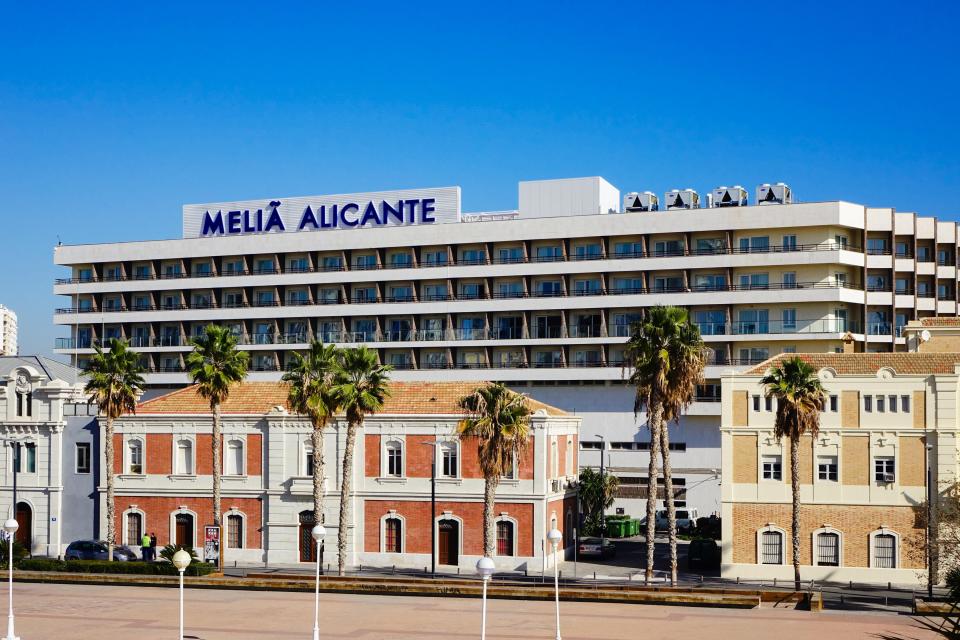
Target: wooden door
[449,542]
[24,534]
[184,536]
[308,548]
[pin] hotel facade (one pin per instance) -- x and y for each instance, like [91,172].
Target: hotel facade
[541,297]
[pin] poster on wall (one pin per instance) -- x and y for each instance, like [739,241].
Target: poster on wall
[211,544]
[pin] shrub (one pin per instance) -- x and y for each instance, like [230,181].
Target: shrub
[19,552]
[117,568]
[167,553]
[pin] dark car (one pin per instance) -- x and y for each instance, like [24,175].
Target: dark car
[703,555]
[591,547]
[97,550]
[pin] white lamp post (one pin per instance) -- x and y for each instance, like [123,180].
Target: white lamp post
[554,537]
[485,569]
[10,526]
[181,560]
[318,533]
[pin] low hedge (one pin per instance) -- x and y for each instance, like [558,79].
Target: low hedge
[102,566]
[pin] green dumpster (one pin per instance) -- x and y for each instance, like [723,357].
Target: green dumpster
[617,528]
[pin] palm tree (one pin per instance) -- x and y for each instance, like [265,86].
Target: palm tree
[311,394]
[667,356]
[361,385]
[215,366]
[800,396]
[114,383]
[500,421]
[596,493]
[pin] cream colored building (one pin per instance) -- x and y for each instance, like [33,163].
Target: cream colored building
[863,479]
[8,332]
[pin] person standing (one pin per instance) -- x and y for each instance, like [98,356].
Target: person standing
[153,545]
[145,548]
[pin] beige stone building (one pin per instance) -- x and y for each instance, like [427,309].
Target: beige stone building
[863,479]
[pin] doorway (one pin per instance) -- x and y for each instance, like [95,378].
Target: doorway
[308,548]
[184,531]
[449,542]
[24,517]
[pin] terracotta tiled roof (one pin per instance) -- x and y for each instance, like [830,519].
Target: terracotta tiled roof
[867,363]
[257,398]
[945,321]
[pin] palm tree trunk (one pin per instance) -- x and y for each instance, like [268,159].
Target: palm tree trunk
[795,525]
[111,502]
[489,498]
[215,447]
[655,420]
[668,491]
[318,475]
[345,496]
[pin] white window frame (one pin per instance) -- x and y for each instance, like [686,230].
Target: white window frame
[503,517]
[233,511]
[885,458]
[173,524]
[403,532]
[771,528]
[386,447]
[177,439]
[446,446]
[836,461]
[871,550]
[143,522]
[764,459]
[568,458]
[554,457]
[813,547]
[242,471]
[128,458]
[306,449]
[76,458]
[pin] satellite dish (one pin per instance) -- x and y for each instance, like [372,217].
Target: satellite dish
[924,336]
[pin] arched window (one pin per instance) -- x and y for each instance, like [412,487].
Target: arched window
[308,461]
[451,461]
[505,538]
[884,550]
[554,459]
[134,528]
[393,535]
[568,463]
[135,457]
[771,547]
[827,546]
[233,464]
[394,456]
[184,460]
[235,531]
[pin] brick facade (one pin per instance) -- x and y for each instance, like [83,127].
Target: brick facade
[158,509]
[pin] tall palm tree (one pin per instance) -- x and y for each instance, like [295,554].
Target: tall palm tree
[500,421]
[216,366]
[114,383]
[361,385]
[311,394]
[800,396]
[667,356]
[595,493]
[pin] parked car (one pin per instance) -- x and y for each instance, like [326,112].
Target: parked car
[591,548]
[686,520]
[97,550]
[703,555]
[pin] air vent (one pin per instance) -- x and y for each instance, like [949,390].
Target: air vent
[646,201]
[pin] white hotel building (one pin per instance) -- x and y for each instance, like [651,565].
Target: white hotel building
[541,297]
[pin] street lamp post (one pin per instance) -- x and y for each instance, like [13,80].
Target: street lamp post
[318,533]
[181,560]
[931,572]
[433,506]
[10,526]
[554,536]
[485,569]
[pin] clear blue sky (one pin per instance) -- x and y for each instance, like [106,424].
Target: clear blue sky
[113,116]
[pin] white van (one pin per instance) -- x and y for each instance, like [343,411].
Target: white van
[686,520]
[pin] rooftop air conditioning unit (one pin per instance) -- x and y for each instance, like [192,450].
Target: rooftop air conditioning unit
[682,199]
[774,194]
[730,197]
[646,201]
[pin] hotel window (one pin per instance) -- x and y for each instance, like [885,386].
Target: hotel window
[135,457]
[549,288]
[789,280]
[755,281]
[202,270]
[265,265]
[332,263]
[549,254]
[298,297]
[394,459]
[401,294]
[134,529]
[668,248]
[364,294]
[470,290]
[881,404]
[892,403]
[141,272]
[828,549]
[298,265]
[401,260]
[510,290]
[328,296]
[668,284]
[884,469]
[771,547]
[233,266]
[905,404]
[450,467]
[710,245]
[902,249]
[365,262]
[234,458]
[628,249]
[884,551]
[628,285]
[868,404]
[393,535]
[510,255]
[827,468]
[756,403]
[772,468]
[435,292]
[504,538]
[435,257]
[82,457]
[789,317]
[901,286]
[840,241]
[184,458]
[235,531]
[834,404]
[789,243]
[586,287]
[588,252]
[756,244]
[85,275]
[710,282]
[877,246]
[754,355]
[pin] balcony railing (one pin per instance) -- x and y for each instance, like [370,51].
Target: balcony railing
[484,260]
[751,327]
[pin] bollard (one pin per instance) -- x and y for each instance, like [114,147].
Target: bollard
[889,585]
[425,570]
[841,597]
[594,575]
[525,573]
[738,579]
[851,584]
[393,570]
[886,601]
[458,570]
[774,582]
[361,568]
[701,578]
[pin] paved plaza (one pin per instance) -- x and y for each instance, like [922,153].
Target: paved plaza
[73,612]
